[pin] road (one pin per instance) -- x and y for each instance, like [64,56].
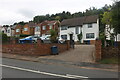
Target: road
[12,68]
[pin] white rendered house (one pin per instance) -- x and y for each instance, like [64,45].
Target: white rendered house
[10,31]
[4,30]
[108,31]
[88,25]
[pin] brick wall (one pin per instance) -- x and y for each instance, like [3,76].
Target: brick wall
[97,50]
[92,42]
[32,49]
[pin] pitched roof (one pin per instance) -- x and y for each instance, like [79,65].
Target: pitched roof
[79,21]
[31,24]
[50,22]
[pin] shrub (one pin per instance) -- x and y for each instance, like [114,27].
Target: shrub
[4,38]
[53,36]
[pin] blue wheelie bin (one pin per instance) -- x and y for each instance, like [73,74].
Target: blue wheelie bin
[54,50]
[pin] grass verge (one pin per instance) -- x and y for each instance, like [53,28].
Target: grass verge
[112,60]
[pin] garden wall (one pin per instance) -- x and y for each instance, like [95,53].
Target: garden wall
[109,52]
[33,49]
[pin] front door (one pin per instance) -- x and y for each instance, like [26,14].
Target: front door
[71,38]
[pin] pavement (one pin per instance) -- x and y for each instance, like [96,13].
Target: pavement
[87,65]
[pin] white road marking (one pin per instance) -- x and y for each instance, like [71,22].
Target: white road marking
[46,73]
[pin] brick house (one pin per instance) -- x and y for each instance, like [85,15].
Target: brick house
[18,30]
[46,26]
[28,29]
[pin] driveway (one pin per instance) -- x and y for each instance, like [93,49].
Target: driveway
[81,53]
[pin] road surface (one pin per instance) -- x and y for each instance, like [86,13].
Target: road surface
[12,68]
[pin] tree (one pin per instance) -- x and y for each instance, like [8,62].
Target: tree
[107,20]
[53,36]
[116,17]
[39,19]
[80,37]
[22,23]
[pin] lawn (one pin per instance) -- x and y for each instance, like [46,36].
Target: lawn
[112,60]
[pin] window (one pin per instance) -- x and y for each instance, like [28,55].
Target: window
[8,31]
[37,28]
[43,27]
[25,29]
[17,30]
[89,25]
[77,30]
[50,27]
[64,37]
[90,35]
[63,28]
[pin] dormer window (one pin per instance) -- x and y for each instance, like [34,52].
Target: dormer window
[89,25]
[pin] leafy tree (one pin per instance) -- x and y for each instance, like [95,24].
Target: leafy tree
[53,36]
[4,37]
[22,23]
[5,25]
[116,17]
[39,19]
[79,37]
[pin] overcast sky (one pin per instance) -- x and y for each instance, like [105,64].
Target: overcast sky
[12,11]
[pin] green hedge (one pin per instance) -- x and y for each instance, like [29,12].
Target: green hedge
[4,38]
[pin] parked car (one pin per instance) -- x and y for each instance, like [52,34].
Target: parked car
[46,37]
[61,40]
[29,39]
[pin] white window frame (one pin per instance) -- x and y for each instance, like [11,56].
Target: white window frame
[90,25]
[90,35]
[64,28]
[50,26]
[8,31]
[17,30]
[25,29]
[43,27]
[37,28]
[64,37]
[77,30]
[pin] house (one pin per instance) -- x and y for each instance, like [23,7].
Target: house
[37,31]
[28,28]
[4,30]
[108,30]
[46,26]
[10,30]
[87,25]
[18,30]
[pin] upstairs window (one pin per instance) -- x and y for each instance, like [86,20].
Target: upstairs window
[43,27]
[89,25]
[8,31]
[50,27]
[77,30]
[89,35]
[17,30]
[25,29]
[37,28]
[64,28]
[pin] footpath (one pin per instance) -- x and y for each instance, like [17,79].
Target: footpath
[87,65]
